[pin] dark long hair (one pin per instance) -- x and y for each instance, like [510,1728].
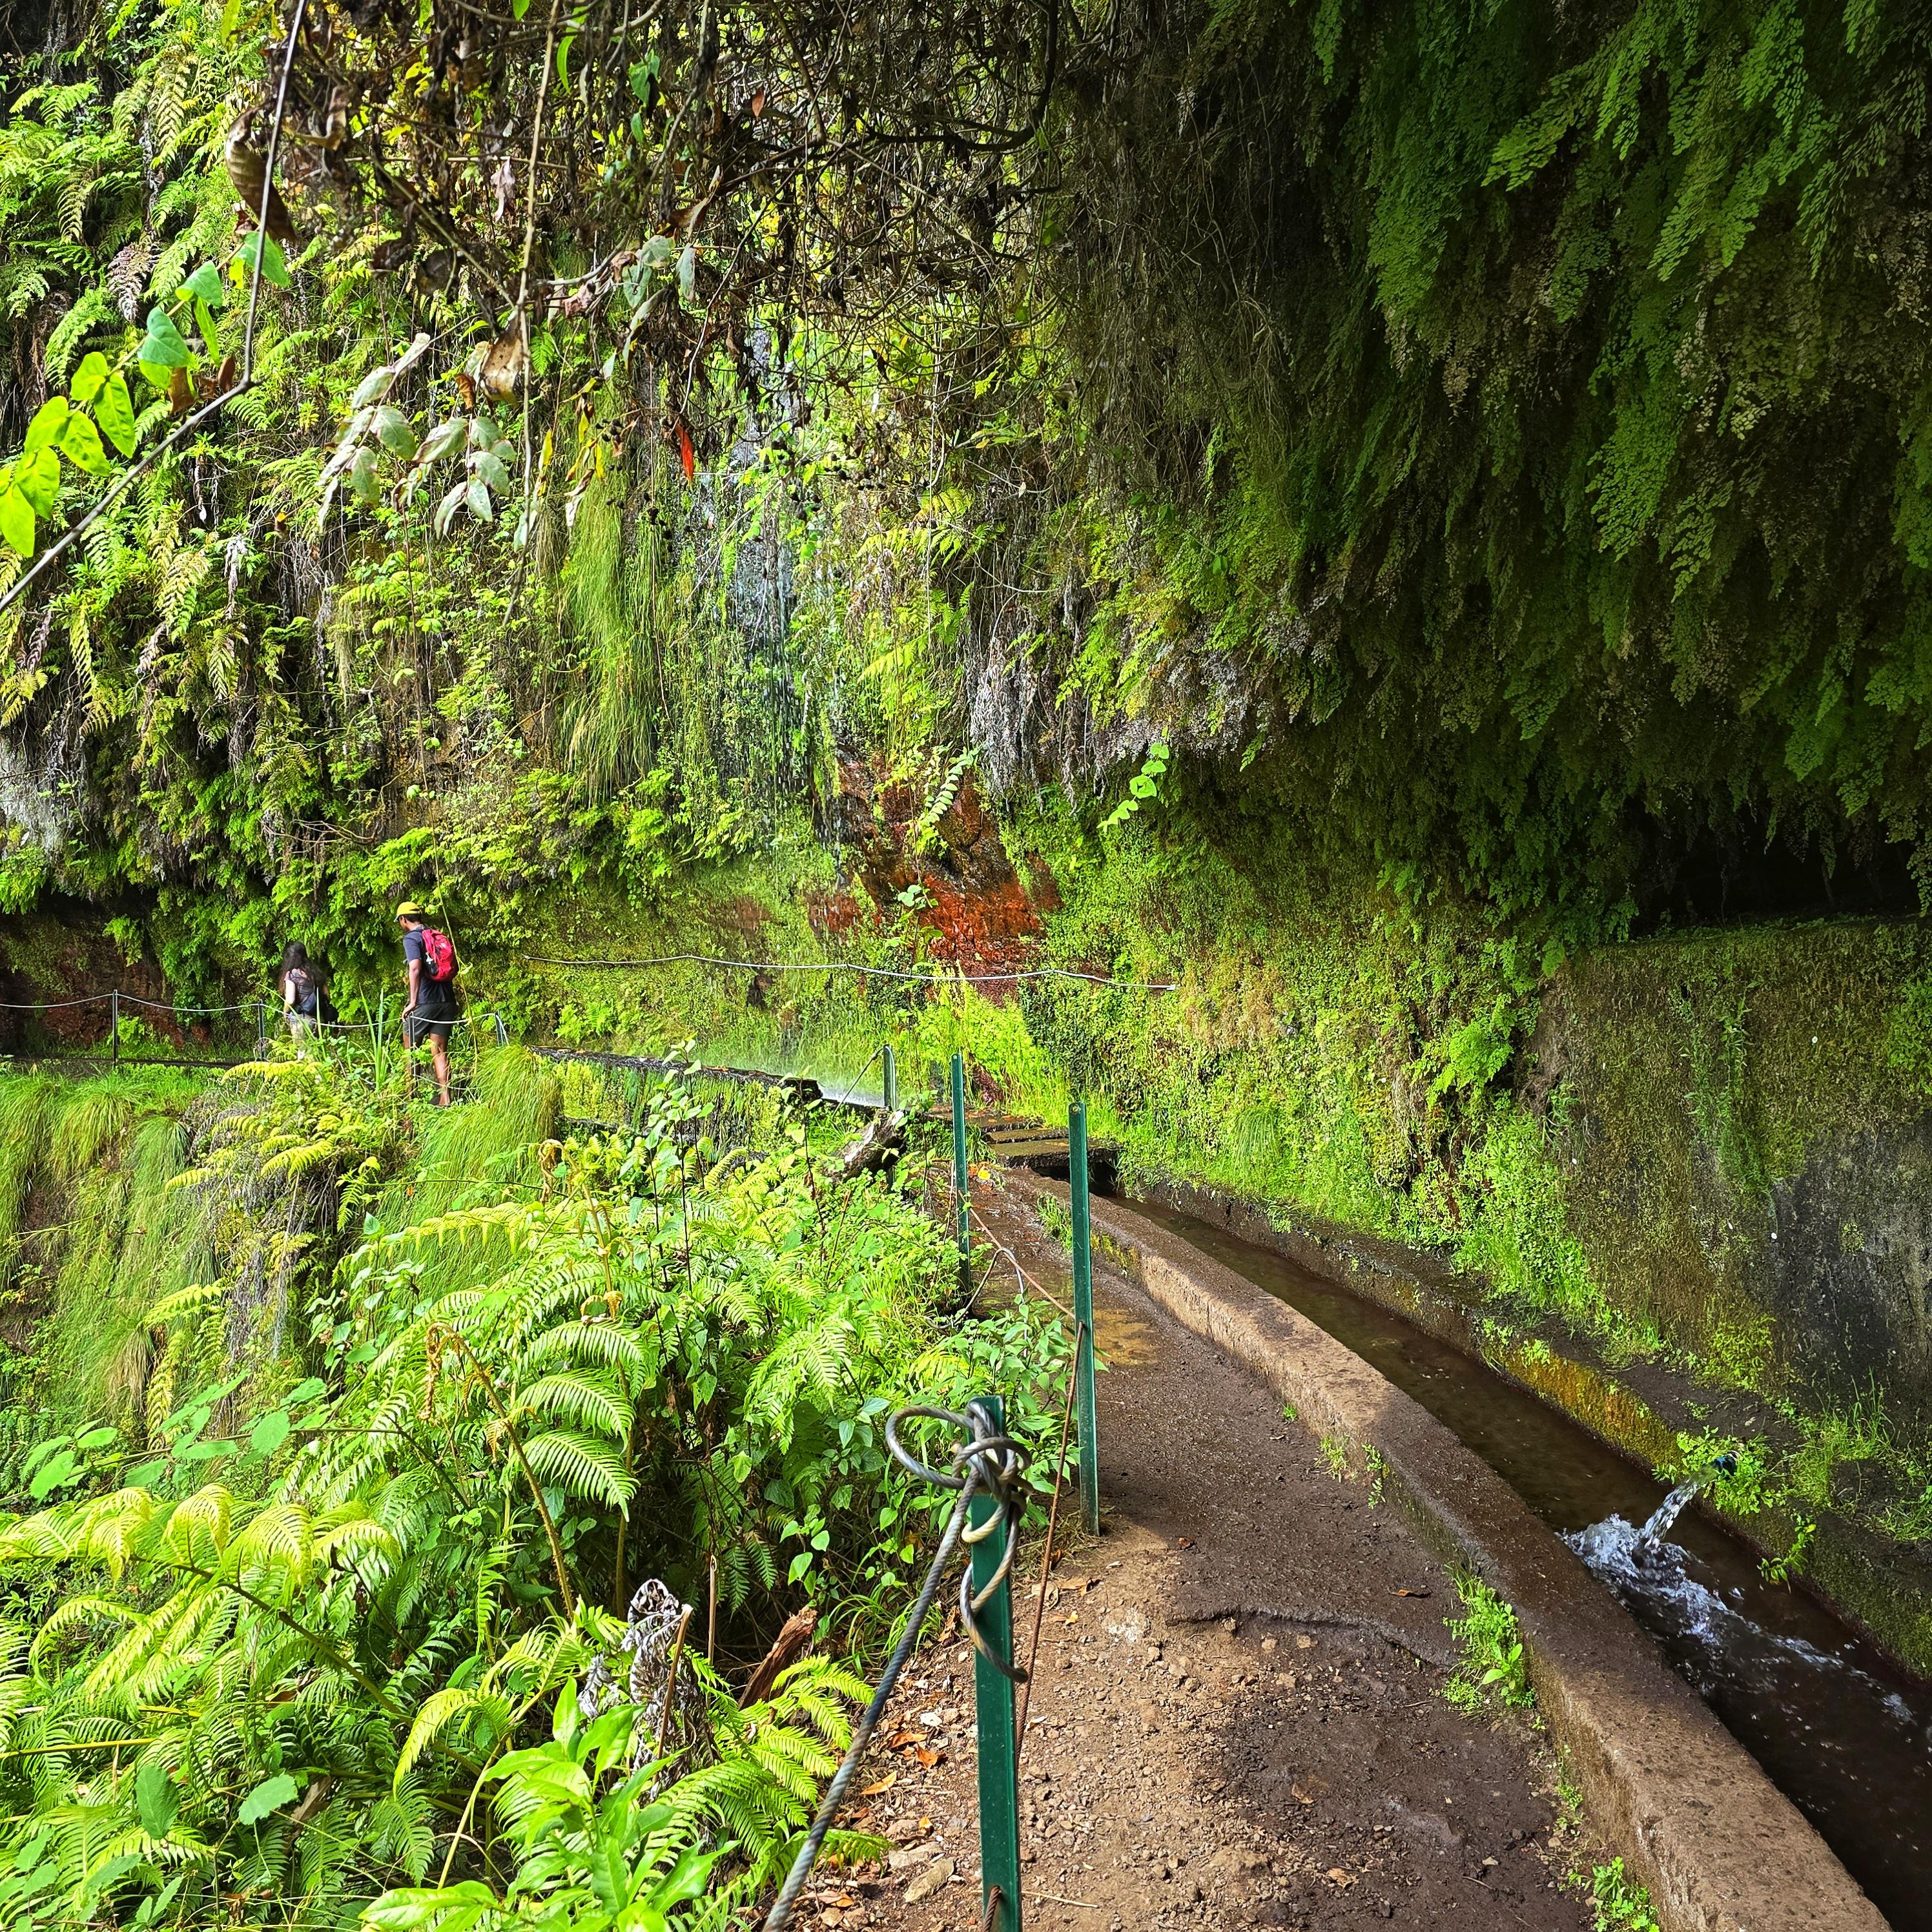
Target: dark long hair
[295,954]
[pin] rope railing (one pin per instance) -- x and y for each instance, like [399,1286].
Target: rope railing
[854,966]
[632,965]
[169,1006]
[266,1007]
[986,1470]
[116,1052]
[392,1027]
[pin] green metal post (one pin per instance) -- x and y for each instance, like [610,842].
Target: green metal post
[993,1695]
[959,1171]
[114,1022]
[1083,1316]
[892,1083]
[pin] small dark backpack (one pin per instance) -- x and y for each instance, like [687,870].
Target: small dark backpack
[439,954]
[312,1002]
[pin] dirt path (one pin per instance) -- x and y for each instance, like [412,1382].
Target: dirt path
[1238,1717]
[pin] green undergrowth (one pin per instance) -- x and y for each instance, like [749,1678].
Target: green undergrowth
[427,1394]
[92,1232]
[1618,1903]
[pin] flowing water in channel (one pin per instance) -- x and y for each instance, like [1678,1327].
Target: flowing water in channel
[1846,1737]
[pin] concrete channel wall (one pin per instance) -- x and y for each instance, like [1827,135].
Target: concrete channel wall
[1721,1848]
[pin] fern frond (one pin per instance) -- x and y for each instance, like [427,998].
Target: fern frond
[589,1401]
[583,1467]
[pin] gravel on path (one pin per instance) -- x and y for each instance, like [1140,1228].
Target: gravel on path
[1238,1717]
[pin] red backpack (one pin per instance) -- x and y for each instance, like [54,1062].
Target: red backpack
[439,954]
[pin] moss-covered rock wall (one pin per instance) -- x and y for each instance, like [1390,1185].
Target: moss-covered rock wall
[1744,1148]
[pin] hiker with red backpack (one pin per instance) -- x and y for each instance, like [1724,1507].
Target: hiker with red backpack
[430,1012]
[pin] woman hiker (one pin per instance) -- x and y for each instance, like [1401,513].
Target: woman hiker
[305,1002]
[429,1013]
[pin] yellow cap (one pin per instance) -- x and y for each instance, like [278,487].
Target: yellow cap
[409,909]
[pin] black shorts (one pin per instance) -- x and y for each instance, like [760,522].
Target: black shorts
[418,1027]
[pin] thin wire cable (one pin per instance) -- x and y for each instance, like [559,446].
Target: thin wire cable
[52,1006]
[853,966]
[1052,1525]
[852,1083]
[169,1006]
[986,1461]
[780,1914]
[993,1241]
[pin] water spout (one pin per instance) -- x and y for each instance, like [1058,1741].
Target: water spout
[1674,1505]
[1667,1512]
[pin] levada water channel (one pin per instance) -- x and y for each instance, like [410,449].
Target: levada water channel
[1842,1733]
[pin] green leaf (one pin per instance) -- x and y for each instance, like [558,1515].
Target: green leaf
[17,522]
[163,345]
[159,1801]
[268,1797]
[98,1439]
[563,48]
[478,500]
[307,1391]
[373,388]
[88,378]
[49,419]
[60,1470]
[393,432]
[146,1475]
[492,470]
[115,413]
[275,266]
[687,273]
[104,1878]
[151,1909]
[446,510]
[610,1873]
[270,1432]
[205,285]
[80,444]
[38,479]
[687,1879]
[449,1908]
[445,438]
[362,484]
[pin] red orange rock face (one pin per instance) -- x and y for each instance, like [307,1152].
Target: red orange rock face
[978,915]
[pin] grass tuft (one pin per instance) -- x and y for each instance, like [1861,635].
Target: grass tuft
[1490,1641]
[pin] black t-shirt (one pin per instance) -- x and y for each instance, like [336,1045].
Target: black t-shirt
[433,996]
